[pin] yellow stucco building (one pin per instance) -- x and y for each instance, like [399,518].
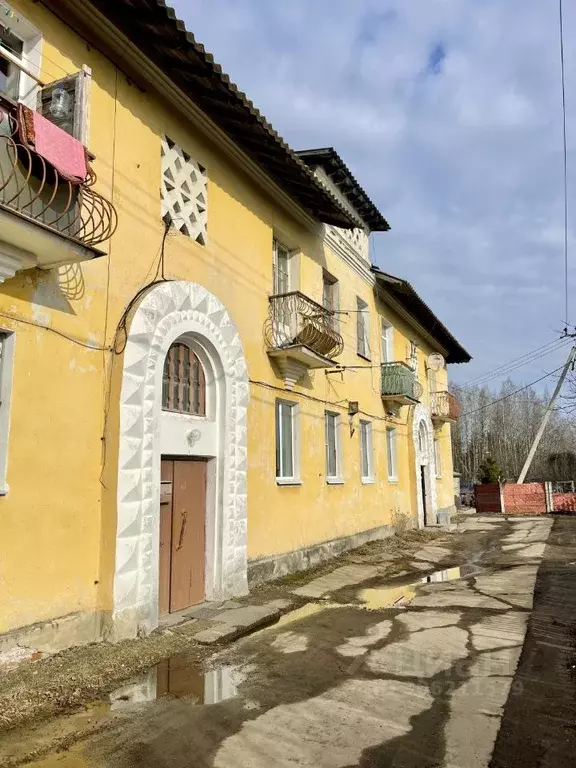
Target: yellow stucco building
[205,383]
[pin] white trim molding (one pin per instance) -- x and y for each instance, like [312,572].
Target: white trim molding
[167,312]
[424,457]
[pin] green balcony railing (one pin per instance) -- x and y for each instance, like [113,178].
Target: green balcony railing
[399,383]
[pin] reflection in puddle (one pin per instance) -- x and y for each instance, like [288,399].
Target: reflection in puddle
[449,575]
[388,597]
[179,677]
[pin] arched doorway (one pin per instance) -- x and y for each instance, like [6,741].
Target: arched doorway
[171,318]
[423,436]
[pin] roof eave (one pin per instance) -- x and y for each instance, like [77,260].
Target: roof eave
[399,288]
[333,165]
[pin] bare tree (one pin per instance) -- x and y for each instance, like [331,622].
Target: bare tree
[505,430]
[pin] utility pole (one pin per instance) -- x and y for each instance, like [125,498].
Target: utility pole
[546,418]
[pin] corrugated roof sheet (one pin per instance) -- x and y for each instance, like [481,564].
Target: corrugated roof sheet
[154,28]
[405,294]
[341,176]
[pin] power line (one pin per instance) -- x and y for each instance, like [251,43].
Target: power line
[511,394]
[565,150]
[507,371]
[517,361]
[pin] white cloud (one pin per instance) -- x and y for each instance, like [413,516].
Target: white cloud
[465,162]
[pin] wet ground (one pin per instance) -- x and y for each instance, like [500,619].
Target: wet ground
[64,682]
[370,671]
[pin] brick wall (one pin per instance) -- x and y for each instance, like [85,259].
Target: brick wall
[525,499]
[564,502]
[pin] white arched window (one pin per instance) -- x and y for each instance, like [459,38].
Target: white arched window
[422,437]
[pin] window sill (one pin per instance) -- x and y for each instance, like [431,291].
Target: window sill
[364,357]
[393,480]
[334,481]
[288,481]
[4,490]
[368,480]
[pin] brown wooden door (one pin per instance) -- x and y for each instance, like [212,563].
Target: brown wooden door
[182,534]
[166,480]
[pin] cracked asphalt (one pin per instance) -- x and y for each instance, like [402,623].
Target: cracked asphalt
[373,672]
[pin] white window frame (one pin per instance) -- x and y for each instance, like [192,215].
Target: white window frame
[366,451]
[30,59]
[362,328]
[294,478]
[392,454]
[277,289]
[336,478]
[386,341]
[330,282]
[437,457]
[7,339]
[413,357]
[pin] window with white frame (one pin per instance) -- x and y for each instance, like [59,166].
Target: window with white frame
[387,336]
[20,48]
[391,452]
[287,440]
[282,269]
[330,296]
[437,458]
[362,328]
[366,452]
[6,365]
[333,447]
[413,360]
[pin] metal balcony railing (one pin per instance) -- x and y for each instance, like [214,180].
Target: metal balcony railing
[32,188]
[294,319]
[399,382]
[443,405]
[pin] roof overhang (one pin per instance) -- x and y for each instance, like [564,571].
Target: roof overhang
[341,176]
[405,297]
[147,42]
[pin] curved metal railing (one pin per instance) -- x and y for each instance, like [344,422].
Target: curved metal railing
[33,188]
[399,380]
[293,318]
[443,405]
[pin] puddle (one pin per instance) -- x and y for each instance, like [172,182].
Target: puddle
[449,575]
[178,677]
[376,598]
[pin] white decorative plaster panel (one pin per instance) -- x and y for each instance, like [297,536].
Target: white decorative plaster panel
[184,192]
[167,312]
[425,457]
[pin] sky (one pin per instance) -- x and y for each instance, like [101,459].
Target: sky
[448,113]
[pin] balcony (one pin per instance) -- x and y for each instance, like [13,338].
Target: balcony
[45,220]
[444,407]
[400,385]
[300,335]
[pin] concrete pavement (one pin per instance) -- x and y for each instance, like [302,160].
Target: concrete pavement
[372,672]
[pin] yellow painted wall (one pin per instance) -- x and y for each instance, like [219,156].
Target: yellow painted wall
[58,519]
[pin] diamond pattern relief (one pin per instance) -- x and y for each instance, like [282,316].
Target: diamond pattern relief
[169,309]
[184,192]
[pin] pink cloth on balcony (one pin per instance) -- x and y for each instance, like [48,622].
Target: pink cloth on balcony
[60,149]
